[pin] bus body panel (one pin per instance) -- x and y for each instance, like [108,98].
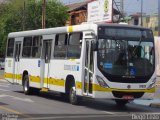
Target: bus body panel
[9,67]
[60,69]
[32,66]
[54,75]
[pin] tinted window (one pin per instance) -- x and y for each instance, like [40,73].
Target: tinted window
[27,45]
[60,46]
[74,47]
[32,46]
[10,47]
[36,47]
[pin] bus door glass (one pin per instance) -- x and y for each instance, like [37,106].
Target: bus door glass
[46,56]
[88,73]
[17,53]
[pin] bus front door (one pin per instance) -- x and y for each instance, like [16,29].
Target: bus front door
[17,52]
[46,56]
[88,72]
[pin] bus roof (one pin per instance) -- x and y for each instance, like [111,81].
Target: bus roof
[55,30]
[65,29]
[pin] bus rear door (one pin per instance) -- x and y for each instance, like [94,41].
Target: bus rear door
[46,62]
[17,53]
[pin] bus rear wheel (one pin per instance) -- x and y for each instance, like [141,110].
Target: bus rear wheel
[26,88]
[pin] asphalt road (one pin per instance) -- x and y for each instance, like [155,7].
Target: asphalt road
[1,72]
[48,106]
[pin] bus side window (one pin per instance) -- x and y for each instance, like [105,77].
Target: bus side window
[36,47]
[60,46]
[74,46]
[10,47]
[27,45]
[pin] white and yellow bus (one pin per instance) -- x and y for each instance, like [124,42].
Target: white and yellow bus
[101,61]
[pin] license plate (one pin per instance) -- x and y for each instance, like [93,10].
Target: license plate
[128,97]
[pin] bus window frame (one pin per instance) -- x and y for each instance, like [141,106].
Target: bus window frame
[78,45]
[8,47]
[31,47]
[65,44]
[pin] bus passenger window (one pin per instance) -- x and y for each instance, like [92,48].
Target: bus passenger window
[60,46]
[27,43]
[10,48]
[36,47]
[74,47]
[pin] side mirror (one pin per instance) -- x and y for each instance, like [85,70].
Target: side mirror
[94,45]
[80,41]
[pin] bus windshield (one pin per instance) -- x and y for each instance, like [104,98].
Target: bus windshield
[126,57]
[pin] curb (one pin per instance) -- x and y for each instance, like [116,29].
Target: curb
[155,105]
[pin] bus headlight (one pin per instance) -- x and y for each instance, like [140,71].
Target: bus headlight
[101,82]
[152,84]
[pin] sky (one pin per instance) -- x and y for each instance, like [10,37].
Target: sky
[132,6]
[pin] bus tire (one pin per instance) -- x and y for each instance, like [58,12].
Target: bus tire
[121,102]
[73,98]
[26,88]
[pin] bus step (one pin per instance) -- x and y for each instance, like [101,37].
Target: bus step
[44,89]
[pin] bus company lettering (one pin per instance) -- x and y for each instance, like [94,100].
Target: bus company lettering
[71,67]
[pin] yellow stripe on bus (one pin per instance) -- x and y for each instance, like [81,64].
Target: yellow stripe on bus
[13,76]
[8,75]
[70,29]
[79,85]
[35,79]
[53,81]
[101,89]
[95,87]
[57,82]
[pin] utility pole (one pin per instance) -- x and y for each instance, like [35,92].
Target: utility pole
[122,7]
[159,18]
[24,18]
[43,14]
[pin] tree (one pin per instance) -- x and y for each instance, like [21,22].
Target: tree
[19,15]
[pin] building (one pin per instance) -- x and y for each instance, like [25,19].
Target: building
[148,21]
[78,13]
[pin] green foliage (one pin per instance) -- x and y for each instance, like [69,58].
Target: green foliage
[19,15]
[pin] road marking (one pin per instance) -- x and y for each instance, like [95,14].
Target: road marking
[4,85]
[4,90]
[17,98]
[4,81]
[14,111]
[72,116]
[111,113]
